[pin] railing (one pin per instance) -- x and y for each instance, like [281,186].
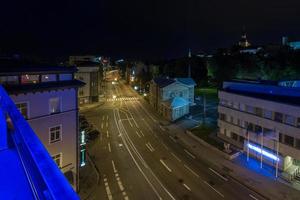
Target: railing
[45,178]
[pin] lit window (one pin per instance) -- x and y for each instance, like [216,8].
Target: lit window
[26,79]
[55,134]
[54,105]
[23,108]
[48,77]
[289,120]
[58,159]
[278,117]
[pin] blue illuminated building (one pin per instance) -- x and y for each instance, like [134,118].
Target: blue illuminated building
[262,118]
[27,171]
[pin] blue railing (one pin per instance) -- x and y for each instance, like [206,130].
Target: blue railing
[45,178]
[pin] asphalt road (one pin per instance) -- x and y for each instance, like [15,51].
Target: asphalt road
[139,159]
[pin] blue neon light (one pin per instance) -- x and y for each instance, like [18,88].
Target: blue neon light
[261,151]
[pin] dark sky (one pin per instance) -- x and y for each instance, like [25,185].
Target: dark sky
[141,28]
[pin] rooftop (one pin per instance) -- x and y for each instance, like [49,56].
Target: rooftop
[186,81]
[163,82]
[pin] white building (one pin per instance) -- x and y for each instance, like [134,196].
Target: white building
[172,97]
[47,98]
[89,72]
[263,118]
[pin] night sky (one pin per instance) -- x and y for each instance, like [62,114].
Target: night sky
[143,28]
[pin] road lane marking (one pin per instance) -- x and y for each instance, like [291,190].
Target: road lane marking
[120,184]
[187,187]
[142,133]
[138,134]
[108,192]
[192,171]
[107,117]
[109,149]
[162,128]
[106,124]
[165,165]
[165,146]
[172,138]
[107,135]
[102,125]
[253,197]
[114,167]
[149,146]
[189,153]
[215,172]
[103,117]
[175,157]
[219,193]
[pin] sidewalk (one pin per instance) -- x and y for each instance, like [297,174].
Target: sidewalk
[263,183]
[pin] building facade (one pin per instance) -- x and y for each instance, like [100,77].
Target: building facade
[47,98]
[89,72]
[263,119]
[172,97]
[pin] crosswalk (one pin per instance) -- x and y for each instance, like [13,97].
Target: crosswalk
[123,99]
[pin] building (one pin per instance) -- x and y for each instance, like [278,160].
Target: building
[172,97]
[243,43]
[89,72]
[263,119]
[27,170]
[47,98]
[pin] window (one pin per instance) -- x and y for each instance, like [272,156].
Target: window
[54,105]
[48,77]
[10,80]
[278,117]
[80,93]
[58,159]
[267,114]
[280,138]
[241,139]
[258,129]
[289,140]
[65,77]
[55,134]
[231,119]
[298,122]
[234,136]
[258,111]
[26,79]
[289,120]
[222,117]
[23,108]
[250,109]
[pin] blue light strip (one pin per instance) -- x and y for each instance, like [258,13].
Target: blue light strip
[261,151]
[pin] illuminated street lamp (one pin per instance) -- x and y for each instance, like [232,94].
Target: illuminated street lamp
[136,87]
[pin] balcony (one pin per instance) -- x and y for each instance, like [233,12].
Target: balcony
[27,171]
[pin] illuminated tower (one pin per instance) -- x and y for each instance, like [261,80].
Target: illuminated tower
[243,41]
[189,55]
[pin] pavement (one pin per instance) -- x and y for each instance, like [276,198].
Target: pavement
[141,156]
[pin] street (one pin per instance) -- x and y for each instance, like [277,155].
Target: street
[139,159]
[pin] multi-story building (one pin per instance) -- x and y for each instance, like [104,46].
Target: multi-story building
[172,97]
[263,119]
[89,72]
[47,98]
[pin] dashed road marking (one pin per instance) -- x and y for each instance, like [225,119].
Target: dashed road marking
[215,172]
[114,167]
[219,193]
[142,133]
[192,171]
[102,125]
[149,146]
[189,153]
[253,197]
[175,157]
[107,135]
[187,187]
[165,165]
[108,192]
[109,149]
[172,138]
[138,134]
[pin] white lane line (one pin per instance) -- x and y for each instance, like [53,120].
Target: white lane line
[215,172]
[147,145]
[108,192]
[175,157]
[106,124]
[165,146]
[142,133]
[151,146]
[107,117]
[138,134]
[192,171]
[187,187]
[189,153]
[109,149]
[162,128]
[253,197]
[120,184]
[165,165]
[102,125]
[103,117]
[219,193]
[172,138]
[107,135]
[114,167]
